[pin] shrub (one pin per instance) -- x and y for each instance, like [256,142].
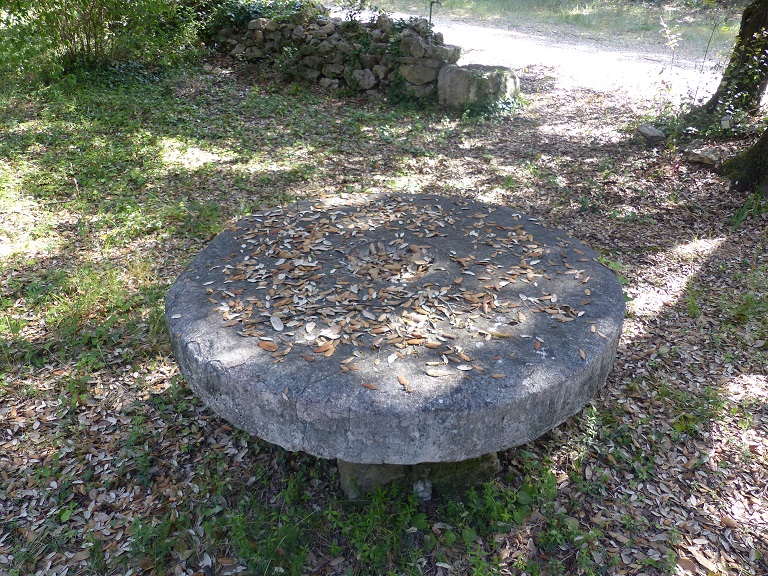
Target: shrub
[238,13]
[49,37]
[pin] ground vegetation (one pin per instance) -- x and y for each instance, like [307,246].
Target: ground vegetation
[112,179]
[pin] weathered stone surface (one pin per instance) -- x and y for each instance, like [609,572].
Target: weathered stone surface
[313,62]
[357,480]
[650,133]
[384,22]
[378,35]
[529,352]
[329,83]
[413,46]
[445,478]
[354,46]
[418,74]
[460,86]
[333,70]
[364,79]
[421,25]
[253,53]
[447,53]
[325,47]
[381,71]
[703,153]
[345,48]
[419,91]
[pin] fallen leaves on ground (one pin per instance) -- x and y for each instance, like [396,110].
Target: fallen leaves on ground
[667,467]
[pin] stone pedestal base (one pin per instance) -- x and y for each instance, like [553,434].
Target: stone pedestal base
[358,480]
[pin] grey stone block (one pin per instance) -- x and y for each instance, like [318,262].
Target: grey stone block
[460,86]
[537,346]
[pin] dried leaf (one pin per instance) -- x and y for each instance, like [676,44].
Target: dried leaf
[323,348]
[277,324]
[268,346]
[687,564]
[437,373]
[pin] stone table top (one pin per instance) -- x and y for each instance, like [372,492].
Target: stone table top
[395,329]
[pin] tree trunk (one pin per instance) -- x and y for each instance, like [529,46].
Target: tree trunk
[746,76]
[751,166]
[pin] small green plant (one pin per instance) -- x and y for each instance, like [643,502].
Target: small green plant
[614,265]
[693,302]
[156,539]
[755,205]
[376,533]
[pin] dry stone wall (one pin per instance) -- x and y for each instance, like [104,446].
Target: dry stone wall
[377,57]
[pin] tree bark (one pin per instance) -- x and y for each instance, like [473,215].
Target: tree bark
[746,76]
[749,168]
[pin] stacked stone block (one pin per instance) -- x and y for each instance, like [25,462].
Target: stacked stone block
[371,57]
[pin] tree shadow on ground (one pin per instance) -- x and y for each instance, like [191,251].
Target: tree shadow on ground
[673,447]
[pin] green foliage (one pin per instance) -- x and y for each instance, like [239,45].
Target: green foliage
[755,205]
[50,37]
[239,13]
[155,540]
[376,532]
[271,539]
[489,108]
[496,508]
[354,8]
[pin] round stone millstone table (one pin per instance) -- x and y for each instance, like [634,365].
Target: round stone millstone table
[395,330]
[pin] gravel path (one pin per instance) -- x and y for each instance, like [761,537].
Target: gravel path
[584,62]
[642,71]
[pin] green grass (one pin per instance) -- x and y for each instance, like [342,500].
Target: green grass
[116,182]
[110,182]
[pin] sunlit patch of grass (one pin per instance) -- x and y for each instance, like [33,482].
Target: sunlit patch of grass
[188,156]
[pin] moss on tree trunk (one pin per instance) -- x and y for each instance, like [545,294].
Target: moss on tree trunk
[751,166]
